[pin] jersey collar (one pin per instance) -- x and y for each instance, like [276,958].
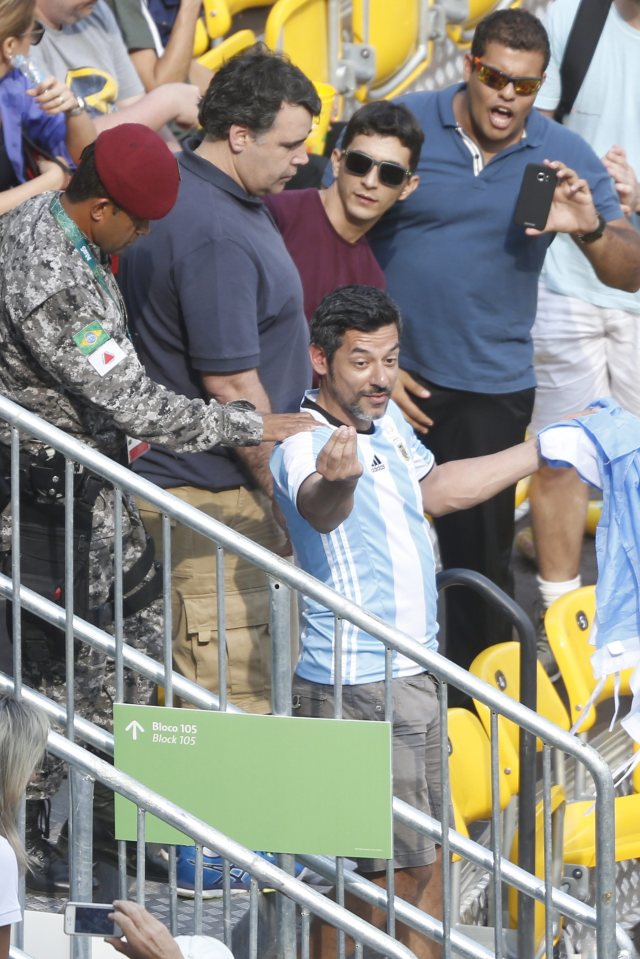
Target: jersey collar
[309,404]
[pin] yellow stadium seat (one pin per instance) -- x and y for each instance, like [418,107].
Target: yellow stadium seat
[580,836]
[214,58]
[558,812]
[471,792]
[328,98]
[399,33]
[289,27]
[568,623]
[522,491]
[200,39]
[237,6]
[216,25]
[300,28]
[500,666]
[217,18]
[462,20]
[594,512]
[470,769]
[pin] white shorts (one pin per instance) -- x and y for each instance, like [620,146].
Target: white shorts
[582,352]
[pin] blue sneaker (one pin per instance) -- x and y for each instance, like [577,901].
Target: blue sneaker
[240,879]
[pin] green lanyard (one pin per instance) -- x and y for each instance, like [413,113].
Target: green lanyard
[75,236]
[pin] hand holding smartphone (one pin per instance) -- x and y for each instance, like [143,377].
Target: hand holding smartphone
[536,196]
[90,919]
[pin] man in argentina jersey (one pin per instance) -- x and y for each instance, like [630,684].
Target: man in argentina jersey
[354,492]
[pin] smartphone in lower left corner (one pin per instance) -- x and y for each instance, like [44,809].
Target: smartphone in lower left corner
[90,919]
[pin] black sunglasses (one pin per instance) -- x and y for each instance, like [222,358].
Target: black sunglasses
[497,80]
[389,174]
[36,33]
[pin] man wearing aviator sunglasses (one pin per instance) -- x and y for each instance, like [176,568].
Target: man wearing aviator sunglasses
[497,80]
[324,230]
[465,277]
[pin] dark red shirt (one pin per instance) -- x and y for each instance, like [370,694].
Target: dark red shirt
[323,258]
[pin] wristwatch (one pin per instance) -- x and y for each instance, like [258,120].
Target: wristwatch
[243,405]
[79,108]
[595,234]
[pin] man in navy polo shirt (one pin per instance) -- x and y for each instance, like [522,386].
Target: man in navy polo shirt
[465,277]
[216,310]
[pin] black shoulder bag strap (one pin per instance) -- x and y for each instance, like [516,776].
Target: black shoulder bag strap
[587,26]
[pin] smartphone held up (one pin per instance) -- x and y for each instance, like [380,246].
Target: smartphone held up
[536,196]
[90,919]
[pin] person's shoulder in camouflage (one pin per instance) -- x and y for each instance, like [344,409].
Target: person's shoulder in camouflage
[68,356]
[35,263]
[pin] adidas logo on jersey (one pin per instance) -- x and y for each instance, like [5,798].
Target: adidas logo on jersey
[376,464]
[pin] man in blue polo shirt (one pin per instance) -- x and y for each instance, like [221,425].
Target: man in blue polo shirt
[465,277]
[215,305]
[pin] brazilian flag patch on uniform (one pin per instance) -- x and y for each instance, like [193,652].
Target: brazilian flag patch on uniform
[90,338]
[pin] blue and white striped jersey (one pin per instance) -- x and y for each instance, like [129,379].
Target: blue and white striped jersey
[381,556]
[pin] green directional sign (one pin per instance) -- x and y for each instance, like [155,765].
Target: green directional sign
[283,784]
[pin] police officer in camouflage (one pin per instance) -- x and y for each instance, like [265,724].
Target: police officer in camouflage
[65,355]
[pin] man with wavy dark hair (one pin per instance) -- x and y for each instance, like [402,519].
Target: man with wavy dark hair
[354,492]
[250,91]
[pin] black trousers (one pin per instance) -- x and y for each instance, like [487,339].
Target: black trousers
[481,538]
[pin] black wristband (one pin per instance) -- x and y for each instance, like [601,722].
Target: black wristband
[595,234]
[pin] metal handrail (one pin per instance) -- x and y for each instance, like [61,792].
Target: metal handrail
[527,745]
[275,878]
[342,608]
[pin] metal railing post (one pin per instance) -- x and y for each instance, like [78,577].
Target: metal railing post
[281,671]
[528,697]
[280,628]
[80,849]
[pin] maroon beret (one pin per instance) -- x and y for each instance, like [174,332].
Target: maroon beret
[138,170]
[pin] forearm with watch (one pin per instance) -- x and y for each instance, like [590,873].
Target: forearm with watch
[81,130]
[245,385]
[613,249]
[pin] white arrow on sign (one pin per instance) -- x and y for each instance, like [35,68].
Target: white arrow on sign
[134,728]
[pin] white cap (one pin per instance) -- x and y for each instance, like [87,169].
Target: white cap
[203,947]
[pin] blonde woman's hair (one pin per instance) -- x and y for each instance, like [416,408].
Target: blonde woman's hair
[23,738]
[15,17]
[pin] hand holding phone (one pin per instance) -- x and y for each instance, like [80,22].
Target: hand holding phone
[90,919]
[145,936]
[536,196]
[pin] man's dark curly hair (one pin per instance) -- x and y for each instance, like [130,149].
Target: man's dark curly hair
[362,308]
[515,29]
[387,119]
[85,184]
[249,91]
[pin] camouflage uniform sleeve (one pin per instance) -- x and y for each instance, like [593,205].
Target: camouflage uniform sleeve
[103,370]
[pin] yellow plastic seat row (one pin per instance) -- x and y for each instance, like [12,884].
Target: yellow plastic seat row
[568,623]
[215,57]
[399,34]
[213,27]
[500,666]
[463,18]
[471,793]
